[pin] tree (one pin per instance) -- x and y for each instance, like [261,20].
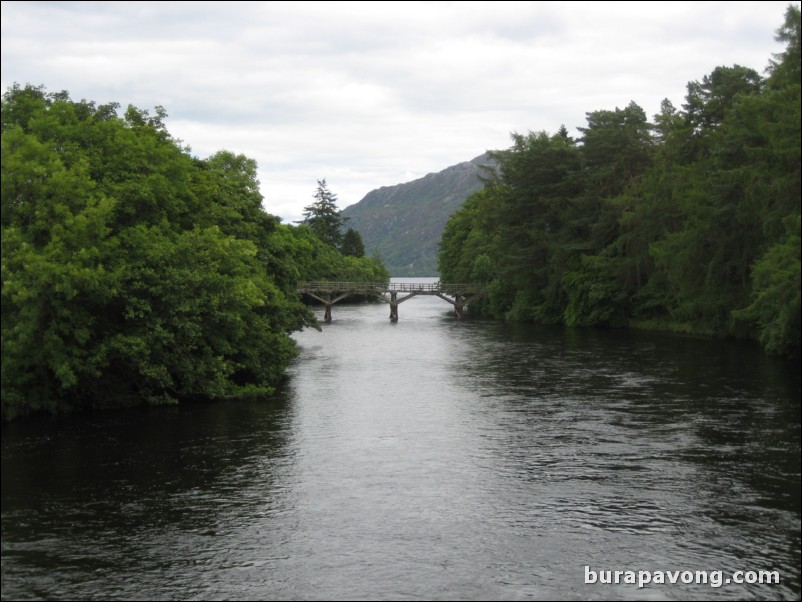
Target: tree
[689,224]
[323,216]
[775,308]
[708,102]
[616,148]
[786,67]
[132,272]
[352,244]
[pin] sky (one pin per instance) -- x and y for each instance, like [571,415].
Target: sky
[371,94]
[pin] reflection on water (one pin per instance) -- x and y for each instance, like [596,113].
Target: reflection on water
[428,459]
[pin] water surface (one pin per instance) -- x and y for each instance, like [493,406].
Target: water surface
[428,459]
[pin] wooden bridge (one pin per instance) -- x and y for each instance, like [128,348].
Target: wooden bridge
[329,293]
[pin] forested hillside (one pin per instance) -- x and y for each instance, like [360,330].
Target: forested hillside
[134,272]
[689,222]
[403,223]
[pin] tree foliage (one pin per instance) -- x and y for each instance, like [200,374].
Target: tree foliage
[352,244]
[688,223]
[133,272]
[323,217]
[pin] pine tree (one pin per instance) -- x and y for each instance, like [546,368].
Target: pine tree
[352,244]
[323,216]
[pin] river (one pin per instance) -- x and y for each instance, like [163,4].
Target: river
[427,459]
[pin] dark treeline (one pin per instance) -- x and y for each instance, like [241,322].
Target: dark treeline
[133,272]
[688,223]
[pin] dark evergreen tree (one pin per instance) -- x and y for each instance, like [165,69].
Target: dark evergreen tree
[352,244]
[689,224]
[787,66]
[323,216]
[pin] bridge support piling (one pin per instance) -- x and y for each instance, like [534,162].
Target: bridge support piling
[459,306]
[393,306]
[327,312]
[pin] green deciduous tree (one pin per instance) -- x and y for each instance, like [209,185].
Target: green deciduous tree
[133,272]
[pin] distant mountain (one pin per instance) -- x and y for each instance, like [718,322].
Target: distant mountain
[403,223]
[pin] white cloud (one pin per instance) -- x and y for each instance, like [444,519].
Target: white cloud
[369,94]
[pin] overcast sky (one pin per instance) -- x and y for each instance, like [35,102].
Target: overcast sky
[370,94]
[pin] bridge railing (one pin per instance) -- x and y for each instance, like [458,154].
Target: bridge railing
[381,287]
[339,287]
